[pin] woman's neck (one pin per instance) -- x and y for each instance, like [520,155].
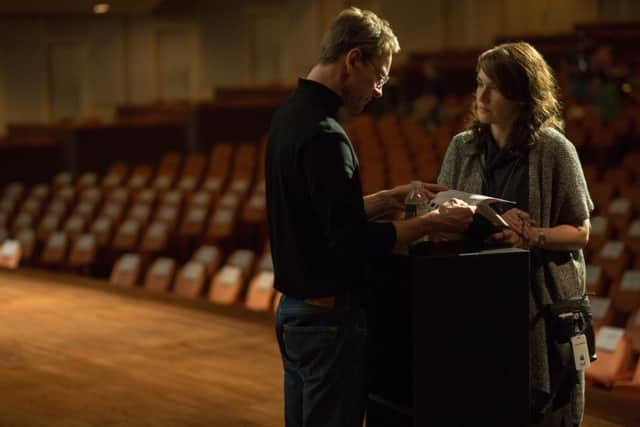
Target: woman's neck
[500,134]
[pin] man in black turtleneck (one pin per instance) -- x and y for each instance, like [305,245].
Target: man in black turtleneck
[320,225]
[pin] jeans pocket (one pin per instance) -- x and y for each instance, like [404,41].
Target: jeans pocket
[311,348]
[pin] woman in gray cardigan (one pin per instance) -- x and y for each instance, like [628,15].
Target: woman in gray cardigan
[514,149]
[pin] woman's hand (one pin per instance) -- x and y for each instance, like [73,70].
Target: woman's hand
[521,232]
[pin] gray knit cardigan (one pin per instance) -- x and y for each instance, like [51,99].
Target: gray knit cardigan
[558,194]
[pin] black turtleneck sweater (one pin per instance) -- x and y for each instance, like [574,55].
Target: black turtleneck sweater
[320,238]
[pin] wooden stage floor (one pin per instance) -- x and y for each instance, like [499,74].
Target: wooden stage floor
[76,352]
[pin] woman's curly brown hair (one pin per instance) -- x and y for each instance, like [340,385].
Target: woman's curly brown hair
[521,74]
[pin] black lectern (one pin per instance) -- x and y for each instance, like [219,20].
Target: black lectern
[449,339]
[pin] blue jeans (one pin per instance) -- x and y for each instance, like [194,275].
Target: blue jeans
[323,354]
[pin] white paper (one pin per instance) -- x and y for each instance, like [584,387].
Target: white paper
[619,206]
[612,250]
[599,307]
[631,281]
[608,338]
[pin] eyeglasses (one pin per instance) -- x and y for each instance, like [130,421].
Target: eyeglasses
[382,78]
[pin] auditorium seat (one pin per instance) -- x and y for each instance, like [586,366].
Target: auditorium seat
[631,237]
[126,270]
[190,280]
[40,192]
[102,228]
[139,212]
[202,199]
[85,210]
[21,222]
[601,193]
[83,251]
[10,253]
[221,225]
[619,177]
[172,198]
[49,224]
[140,177]
[32,206]
[619,214]
[91,195]
[66,194]
[55,249]
[75,226]
[168,214]
[625,293]
[209,256]
[228,283]
[155,238]
[596,282]
[119,195]
[146,196]
[614,353]
[112,210]
[254,211]
[217,174]
[602,311]
[57,207]
[613,258]
[191,175]
[160,275]
[87,180]
[62,179]
[260,290]
[115,176]
[127,236]
[193,222]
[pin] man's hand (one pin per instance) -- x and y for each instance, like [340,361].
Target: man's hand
[400,192]
[453,216]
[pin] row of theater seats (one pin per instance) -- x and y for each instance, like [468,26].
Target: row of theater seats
[169,211]
[240,279]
